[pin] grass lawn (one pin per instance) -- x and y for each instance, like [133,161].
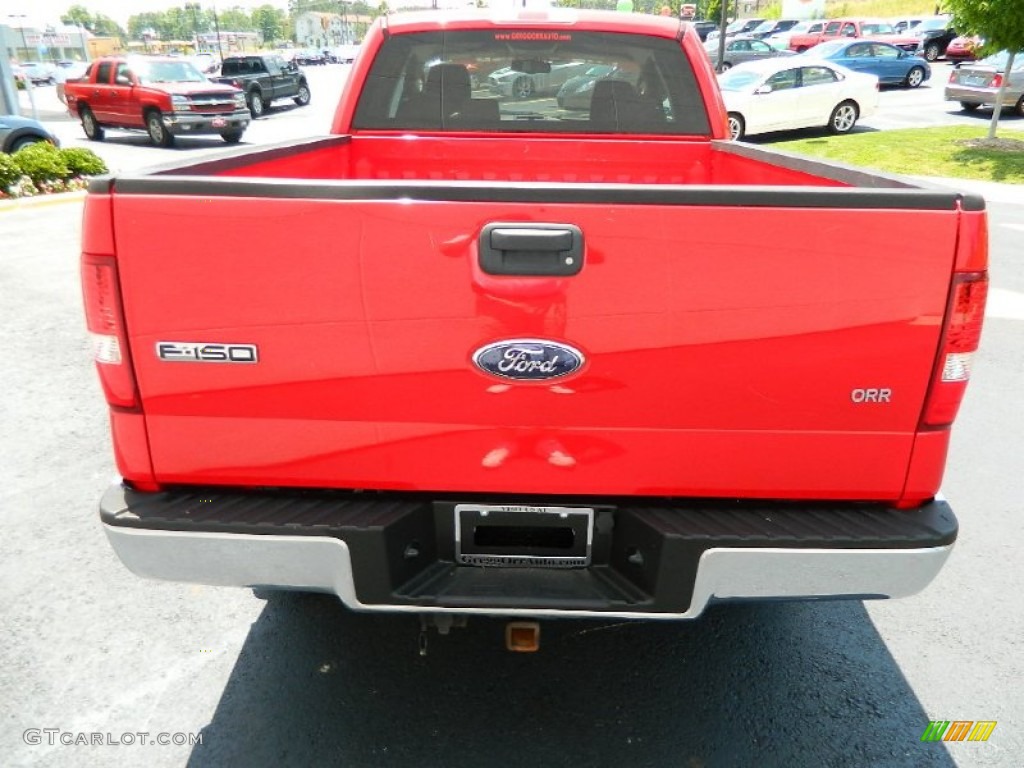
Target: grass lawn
[956,152]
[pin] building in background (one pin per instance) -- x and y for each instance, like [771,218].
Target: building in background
[103,46]
[323,30]
[21,41]
[230,42]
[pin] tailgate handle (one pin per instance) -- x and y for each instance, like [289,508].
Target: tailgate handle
[531,250]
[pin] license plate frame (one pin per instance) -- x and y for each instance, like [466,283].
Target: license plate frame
[219,122]
[523,536]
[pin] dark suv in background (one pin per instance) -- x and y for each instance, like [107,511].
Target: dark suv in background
[703,28]
[936,33]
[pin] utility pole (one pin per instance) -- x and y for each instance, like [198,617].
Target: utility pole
[721,34]
[216,27]
[194,8]
[345,32]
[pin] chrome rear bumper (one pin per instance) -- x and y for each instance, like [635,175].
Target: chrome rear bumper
[651,559]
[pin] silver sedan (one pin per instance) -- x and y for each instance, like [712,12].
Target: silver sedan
[741,49]
[977,84]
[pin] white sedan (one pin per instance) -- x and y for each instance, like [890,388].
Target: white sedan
[781,94]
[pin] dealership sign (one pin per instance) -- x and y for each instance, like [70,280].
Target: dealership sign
[60,39]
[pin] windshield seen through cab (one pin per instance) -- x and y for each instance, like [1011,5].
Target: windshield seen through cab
[167,72]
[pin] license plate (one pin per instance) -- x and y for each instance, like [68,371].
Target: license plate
[218,122]
[523,536]
[976,81]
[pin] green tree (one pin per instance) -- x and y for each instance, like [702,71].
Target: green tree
[104,26]
[79,16]
[236,20]
[142,22]
[1001,24]
[177,24]
[98,24]
[271,22]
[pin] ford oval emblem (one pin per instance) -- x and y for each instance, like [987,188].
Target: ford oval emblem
[528,359]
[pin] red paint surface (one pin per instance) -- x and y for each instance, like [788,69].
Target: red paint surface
[718,363]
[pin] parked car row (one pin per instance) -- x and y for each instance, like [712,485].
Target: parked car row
[836,83]
[931,37]
[890,64]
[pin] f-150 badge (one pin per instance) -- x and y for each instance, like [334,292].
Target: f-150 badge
[528,359]
[202,352]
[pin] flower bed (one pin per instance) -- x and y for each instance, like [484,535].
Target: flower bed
[42,169]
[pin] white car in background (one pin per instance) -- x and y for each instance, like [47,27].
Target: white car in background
[797,92]
[39,72]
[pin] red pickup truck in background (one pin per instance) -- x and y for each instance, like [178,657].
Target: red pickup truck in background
[876,29]
[162,95]
[488,355]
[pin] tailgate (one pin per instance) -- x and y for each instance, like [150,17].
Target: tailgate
[761,343]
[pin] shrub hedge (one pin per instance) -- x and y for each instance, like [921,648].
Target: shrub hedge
[43,168]
[9,171]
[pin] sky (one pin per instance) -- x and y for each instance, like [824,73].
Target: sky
[43,12]
[50,11]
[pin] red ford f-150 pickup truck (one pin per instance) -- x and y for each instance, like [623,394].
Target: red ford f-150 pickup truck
[162,95]
[487,355]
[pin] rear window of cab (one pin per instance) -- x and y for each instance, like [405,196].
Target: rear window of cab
[539,81]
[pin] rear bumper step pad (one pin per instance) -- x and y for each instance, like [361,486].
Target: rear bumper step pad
[395,552]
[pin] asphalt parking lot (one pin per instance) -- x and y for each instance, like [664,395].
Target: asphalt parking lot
[284,679]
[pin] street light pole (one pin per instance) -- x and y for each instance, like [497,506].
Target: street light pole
[21,28]
[28,80]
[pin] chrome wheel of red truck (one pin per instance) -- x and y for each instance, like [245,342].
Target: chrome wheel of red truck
[156,129]
[843,118]
[92,129]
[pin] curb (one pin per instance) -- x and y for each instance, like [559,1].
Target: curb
[41,201]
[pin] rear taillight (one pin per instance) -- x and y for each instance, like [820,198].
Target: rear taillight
[960,338]
[997,81]
[104,317]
